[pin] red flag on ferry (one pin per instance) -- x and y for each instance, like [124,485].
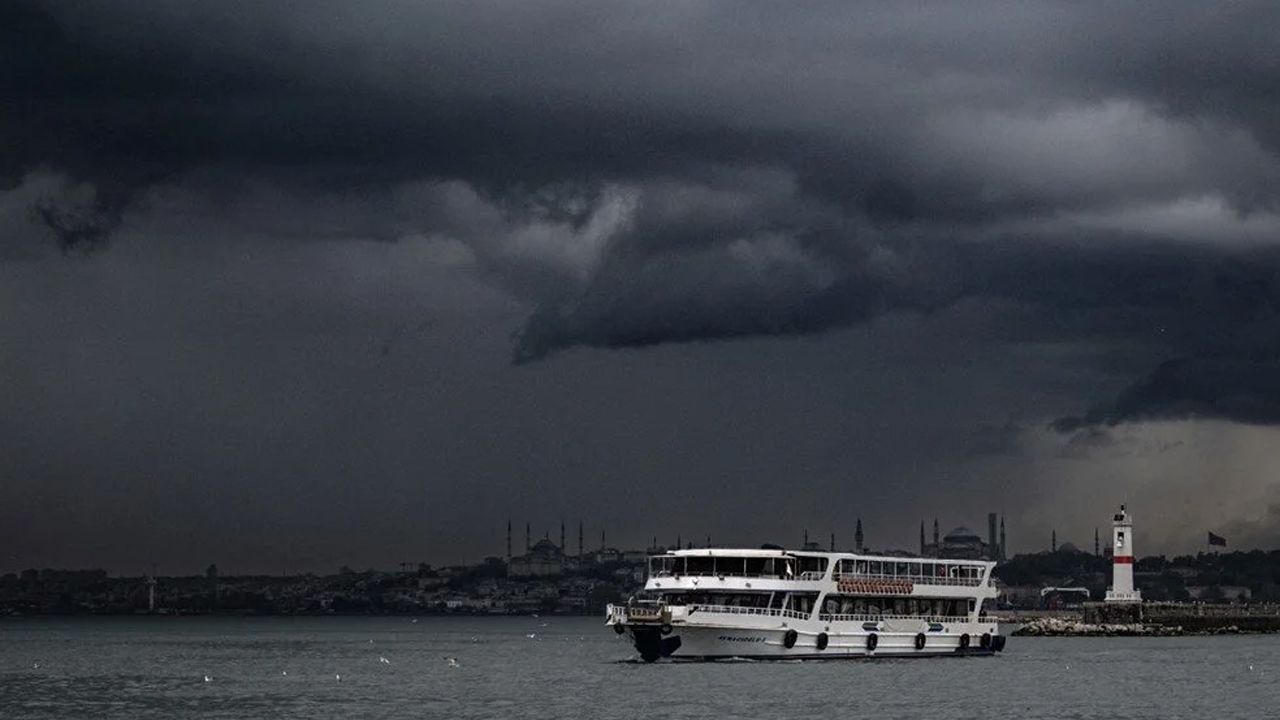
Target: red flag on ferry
[1217,540]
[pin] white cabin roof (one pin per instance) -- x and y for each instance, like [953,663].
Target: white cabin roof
[728,552]
[757,552]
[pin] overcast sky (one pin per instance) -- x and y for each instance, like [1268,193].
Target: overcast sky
[286,286]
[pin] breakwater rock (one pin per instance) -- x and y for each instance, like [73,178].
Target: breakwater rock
[1059,627]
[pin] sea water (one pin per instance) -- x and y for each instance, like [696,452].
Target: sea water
[527,667]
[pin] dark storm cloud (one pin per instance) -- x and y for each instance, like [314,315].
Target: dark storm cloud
[643,174]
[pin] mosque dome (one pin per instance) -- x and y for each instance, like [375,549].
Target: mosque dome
[1067,547]
[962,534]
[545,546]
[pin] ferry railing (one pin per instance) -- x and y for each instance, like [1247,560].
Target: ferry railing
[736,610]
[923,580]
[806,576]
[867,617]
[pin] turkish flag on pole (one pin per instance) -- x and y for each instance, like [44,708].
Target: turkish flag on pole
[1217,540]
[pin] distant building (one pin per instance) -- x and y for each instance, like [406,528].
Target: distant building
[544,559]
[961,544]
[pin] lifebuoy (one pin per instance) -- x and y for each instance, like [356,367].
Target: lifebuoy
[789,639]
[665,629]
[920,641]
[619,628]
[964,641]
[822,641]
[985,641]
[872,641]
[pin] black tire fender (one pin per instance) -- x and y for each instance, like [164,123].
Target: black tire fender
[619,628]
[822,641]
[789,639]
[872,641]
[921,640]
[964,641]
[985,641]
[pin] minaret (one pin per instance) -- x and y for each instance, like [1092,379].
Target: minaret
[833,542]
[993,549]
[802,547]
[528,539]
[602,538]
[1097,544]
[709,540]
[857,536]
[679,543]
[1004,549]
[579,538]
[1121,590]
[937,546]
[561,536]
[921,538]
[508,539]
[1053,541]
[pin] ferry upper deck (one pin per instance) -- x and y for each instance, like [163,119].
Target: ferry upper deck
[816,566]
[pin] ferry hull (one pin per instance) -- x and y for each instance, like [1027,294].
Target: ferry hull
[692,643]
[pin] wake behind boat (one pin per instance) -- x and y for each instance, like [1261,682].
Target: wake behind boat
[771,604]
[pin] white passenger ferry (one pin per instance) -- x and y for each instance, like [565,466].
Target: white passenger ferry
[721,603]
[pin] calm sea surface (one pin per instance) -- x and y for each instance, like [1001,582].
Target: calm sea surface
[576,668]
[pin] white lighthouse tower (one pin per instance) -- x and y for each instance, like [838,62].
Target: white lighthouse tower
[1121,590]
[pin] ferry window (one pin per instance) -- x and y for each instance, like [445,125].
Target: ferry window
[813,564]
[756,566]
[699,565]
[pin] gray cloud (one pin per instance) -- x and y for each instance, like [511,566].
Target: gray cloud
[1081,201]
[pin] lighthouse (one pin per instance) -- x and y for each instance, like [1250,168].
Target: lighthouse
[1121,590]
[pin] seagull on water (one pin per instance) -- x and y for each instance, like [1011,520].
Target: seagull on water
[284,672]
[453,662]
[338,678]
[532,635]
[208,679]
[383,660]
